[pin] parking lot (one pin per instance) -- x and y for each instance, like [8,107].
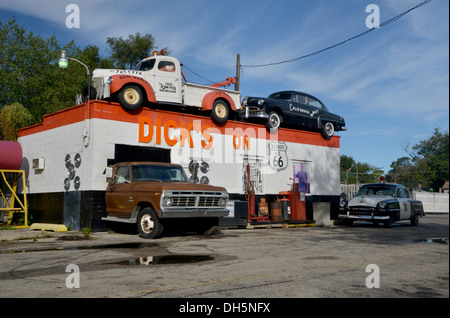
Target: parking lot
[328,262]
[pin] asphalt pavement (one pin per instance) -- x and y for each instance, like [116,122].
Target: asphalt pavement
[362,261]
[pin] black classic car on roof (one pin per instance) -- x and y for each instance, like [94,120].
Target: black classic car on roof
[381,203]
[296,108]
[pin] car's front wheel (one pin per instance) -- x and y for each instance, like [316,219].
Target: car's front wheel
[148,224]
[328,130]
[273,121]
[131,97]
[415,219]
[389,222]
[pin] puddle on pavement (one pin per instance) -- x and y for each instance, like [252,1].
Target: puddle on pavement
[427,241]
[432,240]
[86,247]
[164,260]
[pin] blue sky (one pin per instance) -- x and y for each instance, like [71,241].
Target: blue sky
[391,85]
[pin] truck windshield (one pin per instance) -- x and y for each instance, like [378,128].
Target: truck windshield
[145,65]
[158,173]
[382,191]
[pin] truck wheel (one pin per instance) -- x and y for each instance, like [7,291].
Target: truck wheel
[328,130]
[131,97]
[274,121]
[415,219]
[220,111]
[389,222]
[148,224]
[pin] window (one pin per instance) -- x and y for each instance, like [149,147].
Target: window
[407,194]
[299,99]
[158,173]
[376,190]
[145,65]
[166,66]
[281,95]
[402,193]
[122,174]
[314,103]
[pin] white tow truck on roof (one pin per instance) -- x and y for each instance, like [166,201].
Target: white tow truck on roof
[158,79]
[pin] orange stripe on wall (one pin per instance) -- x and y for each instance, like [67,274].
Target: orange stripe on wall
[113,111]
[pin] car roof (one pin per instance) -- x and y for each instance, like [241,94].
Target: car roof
[392,185]
[299,93]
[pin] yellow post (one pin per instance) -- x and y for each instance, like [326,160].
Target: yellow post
[23,204]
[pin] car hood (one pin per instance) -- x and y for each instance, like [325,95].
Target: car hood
[368,200]
[188,186]
[174,186]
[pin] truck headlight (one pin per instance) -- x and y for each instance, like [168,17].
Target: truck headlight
[110,80]
[223,202]
[260,102]
[168,201]
[381,205]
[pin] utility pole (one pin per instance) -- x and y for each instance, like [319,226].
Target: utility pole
[238,72]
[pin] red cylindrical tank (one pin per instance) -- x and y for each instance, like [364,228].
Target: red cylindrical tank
[298,206]
[10,155]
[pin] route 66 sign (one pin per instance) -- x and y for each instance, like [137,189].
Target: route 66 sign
[278,159]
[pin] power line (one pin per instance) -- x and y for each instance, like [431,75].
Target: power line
[340,43]
[210,82]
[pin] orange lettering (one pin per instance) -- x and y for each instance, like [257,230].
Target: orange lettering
[208,137]
[158,131]
[236,146]
[167,125]
[185,133]
[143,121]
[246,142]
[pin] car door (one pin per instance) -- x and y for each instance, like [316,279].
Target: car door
[119,200]
[300,110]
[167,82]
[405,206]
[315,111]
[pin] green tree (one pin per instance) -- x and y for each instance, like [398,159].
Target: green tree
[12,118]
[361,171]
[127,53]
[29,74]
[431,159]
[402,172]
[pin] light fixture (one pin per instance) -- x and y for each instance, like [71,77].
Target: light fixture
[63,61]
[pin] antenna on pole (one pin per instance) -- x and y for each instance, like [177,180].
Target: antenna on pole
[238,72]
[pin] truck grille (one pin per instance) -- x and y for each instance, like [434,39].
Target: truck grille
[195,199]
[183,201]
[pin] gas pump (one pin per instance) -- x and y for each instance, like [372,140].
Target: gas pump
[250,196]
[298,203]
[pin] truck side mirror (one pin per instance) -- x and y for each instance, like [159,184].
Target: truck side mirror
[109,174]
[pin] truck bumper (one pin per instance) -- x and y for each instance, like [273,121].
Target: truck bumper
[253,112]
[181,213]
[364,217]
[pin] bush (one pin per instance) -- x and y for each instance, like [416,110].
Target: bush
[12,118]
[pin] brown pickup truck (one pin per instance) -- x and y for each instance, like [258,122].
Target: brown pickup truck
[154,195]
